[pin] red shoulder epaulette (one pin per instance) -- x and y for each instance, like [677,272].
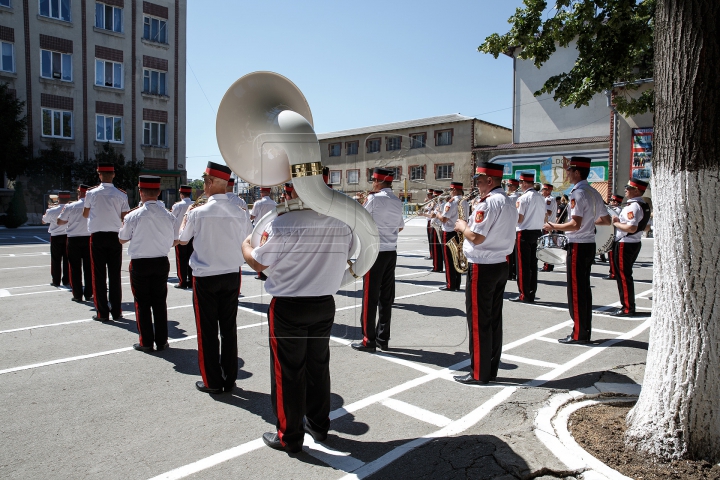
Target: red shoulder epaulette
[122,190]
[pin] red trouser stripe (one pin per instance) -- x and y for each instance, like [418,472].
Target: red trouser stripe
[612,264]
[447,260]
[573,278]
[475,321]
[92,268]
[137,314]
[181,281]
[519,266]
[278,374]
[201,355]
[623,278]
[366,307]
[67,254]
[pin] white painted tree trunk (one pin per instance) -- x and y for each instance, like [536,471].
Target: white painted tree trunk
[678,413]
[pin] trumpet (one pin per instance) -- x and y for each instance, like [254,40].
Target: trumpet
[420,207]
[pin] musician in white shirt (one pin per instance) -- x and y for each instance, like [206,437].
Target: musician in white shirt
[78,246]
[183,252]
[550,214]
[531,217]
[448,215]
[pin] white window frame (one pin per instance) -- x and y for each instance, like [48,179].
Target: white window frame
[104,8]
[3,3]
[162,26]
[52,55]
[147,75]
[413,172]
[413,140]
[55,116]
[372,141]
[58,7]
[102,81]
[447,168]
[393,143]
[101,134]
[349,151]
[335,177]
[161,132]
[438,136]
[335,149]
[12,57]
[356,173]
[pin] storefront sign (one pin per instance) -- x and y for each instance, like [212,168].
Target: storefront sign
[642,146]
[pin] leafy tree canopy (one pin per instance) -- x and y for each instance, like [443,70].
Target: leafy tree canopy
[13,152]
[196,184]
[614,41]
[126,173]
[51,170]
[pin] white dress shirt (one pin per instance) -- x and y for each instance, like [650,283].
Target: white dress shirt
[551,207]
[631,214]
[218,229]
[150,229]
[178,211]
[495,219]
[77,225]
[237,200]
[450,211]
[50,217]
[531,205]
[106,204]
[306,254]
[261,207]
[386,209]
[587,203]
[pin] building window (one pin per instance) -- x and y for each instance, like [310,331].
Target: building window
[109,129]
[373,145]
[5,3]
[56,123]
[154,134]
[417,140]
[108,74]
[59,9]
[351,148]
[155,30]
[393,143]
[417,172]
[444,172]
[154,82]
[108,18]
[56,65]
[334,149]
[353,177]
[8,57]
[443,137]
[397,173]
[335,177]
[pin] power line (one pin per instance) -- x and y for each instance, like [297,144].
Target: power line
[201,88]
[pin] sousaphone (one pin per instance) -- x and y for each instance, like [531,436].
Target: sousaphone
[265,134]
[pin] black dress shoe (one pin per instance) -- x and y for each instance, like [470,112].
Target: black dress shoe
[569,341]
[609,277]
[229,388]
[272,440]
[437,271]
[77,300]
[515,299]
[428,258]
[382,346]
[118,317]
[160,348]
[139,347]
[469,380]
[621,313]
[317,435]
[446,289]
[362,348]
[201,386]
[100,319]
[55,284]
[181,287]
[89,299]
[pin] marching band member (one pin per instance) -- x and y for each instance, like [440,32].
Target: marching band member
[58,242]
[236,199]
[379,282]
[437,248]
[217,228]
[183,252]
[513,194]
[150,229]
[587,209]
[614,204]
[489,236]
[306,254]
[426,213]
[105,208]
[326,177]
[531,218]
[629,227]
[262,206]
[288,190]
[448,216]
[78,246]
[550,214]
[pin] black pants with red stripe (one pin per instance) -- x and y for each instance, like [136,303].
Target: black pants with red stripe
[299,331]
[59,260]
[527,263]
[148,280]
[512,263]
[452,276]
[106,253]
[215,301]
[430,233]
[184,271]
[378,297]
[624,256]
[483,303]
[579,260]
[437,248]
[78,252]
[611,256]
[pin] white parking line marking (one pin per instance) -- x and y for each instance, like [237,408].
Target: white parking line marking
[529,361]
[609,332]
[41,239]
[554,340]
[20,268]
[416,412]
[338,460]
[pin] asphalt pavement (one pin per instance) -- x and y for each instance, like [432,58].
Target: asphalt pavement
[78,402]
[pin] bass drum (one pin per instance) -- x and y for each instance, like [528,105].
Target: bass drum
[605,234]
[552,248]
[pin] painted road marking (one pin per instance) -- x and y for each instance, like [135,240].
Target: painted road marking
[416,413]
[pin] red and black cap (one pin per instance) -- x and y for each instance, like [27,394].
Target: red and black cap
[63,194]
[265,189]
[185,189]
[383,174]
[578,162]
[513,181]
[437,192]
[430,191]
[288,187]
[617,198]
[549,186]
[105,168]
[231,182]
[216,170]
[83,187]
[639,184]
[489,170]
[456,185]
[149,181]
[527,177]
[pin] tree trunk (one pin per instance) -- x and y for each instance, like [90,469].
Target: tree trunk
[677,415]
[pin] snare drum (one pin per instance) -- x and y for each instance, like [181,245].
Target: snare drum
[552,248]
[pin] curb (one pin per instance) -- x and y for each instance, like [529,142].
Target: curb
[551,427]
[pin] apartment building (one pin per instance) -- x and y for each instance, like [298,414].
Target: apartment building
[92,72]
[427,153]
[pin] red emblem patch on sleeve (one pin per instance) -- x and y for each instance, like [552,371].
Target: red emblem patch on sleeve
[517,204]
[264,238]
[447,208]
[630,215]
[479,216]
[572,203]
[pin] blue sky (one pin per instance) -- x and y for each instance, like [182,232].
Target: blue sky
[358,63]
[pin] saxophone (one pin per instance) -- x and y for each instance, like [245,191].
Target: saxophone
[456,244]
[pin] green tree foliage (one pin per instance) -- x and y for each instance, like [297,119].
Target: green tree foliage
[49,171]
[17,211]
[614,41]
[13,125]
[196,184]
[126,173]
